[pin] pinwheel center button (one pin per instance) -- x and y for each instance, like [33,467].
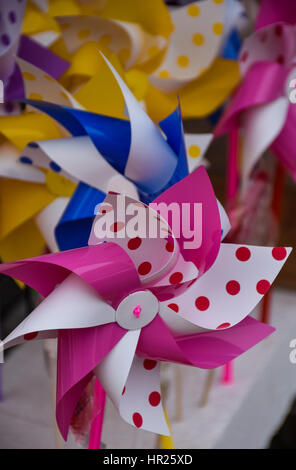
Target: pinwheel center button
[137,310]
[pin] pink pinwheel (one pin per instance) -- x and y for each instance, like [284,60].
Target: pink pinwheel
[263,106]
[128,301]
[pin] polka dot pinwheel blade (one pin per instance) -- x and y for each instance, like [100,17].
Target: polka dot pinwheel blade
[193,45]
[196,146]
[11,17]
[75,295]
[271,44]
[232,288]
[151,256]
[141,404]
[41,86]
[11,167]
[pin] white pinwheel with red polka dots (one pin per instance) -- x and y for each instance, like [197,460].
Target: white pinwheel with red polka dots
[234,284]
[128,301]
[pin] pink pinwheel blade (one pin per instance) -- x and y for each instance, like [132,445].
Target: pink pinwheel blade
[102,266]
[253,91]
[284,147]
[196,189]
[273,11]
[79,352]
[205,350]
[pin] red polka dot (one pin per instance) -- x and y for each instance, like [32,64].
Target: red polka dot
[176,278]
[117,226]
[233,287]
[30,336]
[263,286]
[280,59]
[154,398]
[244,56]
[174,307]
[105,209]
[169,247]
[202,303]
[144,268]
[243,253]
[222,326]
[278,30]
[149,364]
[279,253]
[134,243]
[137,419]
[123,391]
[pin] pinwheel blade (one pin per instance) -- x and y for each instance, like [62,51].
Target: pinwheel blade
[12,17]
[64,156]
[262,125]
[206,350]
[194,44]
[144,165]
[73,304]
[141,404]
[232,288]
[113,371]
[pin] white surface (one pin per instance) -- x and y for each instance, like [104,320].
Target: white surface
[243,415]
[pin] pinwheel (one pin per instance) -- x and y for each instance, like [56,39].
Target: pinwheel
[126,302]
[103,163]
[12,44]
[49,169]
[265,113]
[261,116]
[20,202]
[27,192]
[162,52]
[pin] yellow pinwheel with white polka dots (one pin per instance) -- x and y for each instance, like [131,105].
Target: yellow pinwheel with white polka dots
[162,53]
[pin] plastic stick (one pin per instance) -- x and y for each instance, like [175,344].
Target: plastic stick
[97,424]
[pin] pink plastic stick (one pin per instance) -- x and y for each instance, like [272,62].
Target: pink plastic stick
[227,377]
[97,424]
